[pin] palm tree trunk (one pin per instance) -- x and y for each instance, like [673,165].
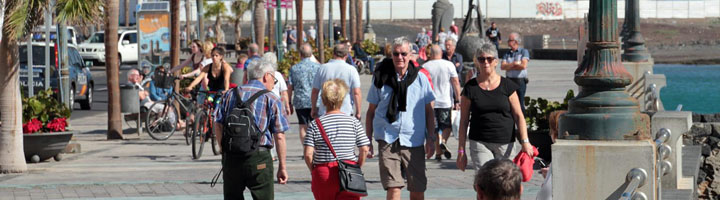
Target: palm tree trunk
[343,19]
[188,20]
[112,70]
[259,25]
[127,13]
[300,32]
[175,32]
[238,32]
[353,22]
[319,13]
[219,34]
[12,156]
[359,18]
[271,29]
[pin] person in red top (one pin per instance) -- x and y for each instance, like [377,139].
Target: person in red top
[414,58]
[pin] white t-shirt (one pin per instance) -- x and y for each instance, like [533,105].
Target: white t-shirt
[281,85]
[441,71]
[206,62]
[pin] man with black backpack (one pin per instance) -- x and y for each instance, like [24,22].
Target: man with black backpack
[247,121]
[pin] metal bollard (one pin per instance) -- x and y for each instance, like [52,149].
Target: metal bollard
[636,178]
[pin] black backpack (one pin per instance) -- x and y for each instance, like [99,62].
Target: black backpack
[241,135]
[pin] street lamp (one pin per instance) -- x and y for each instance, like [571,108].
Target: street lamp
[603,110]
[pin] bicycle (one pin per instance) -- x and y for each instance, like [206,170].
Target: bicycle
[203,127]
[162,118]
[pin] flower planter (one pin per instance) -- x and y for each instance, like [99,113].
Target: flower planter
[42,146]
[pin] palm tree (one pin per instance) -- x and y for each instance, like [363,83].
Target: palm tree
[259,24]
[359,19]
[127,13]
[271,28]
[217,10]
[188,18]
[353,22]
[174,32]
[112,70]
[319,6]
[343,19]
[239,8]
[300,31]
[20,17]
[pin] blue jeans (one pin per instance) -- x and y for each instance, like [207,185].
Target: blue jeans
[520,91]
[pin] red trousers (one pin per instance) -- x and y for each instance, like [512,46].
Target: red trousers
[326,183]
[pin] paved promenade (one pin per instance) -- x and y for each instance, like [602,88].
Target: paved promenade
[142,168]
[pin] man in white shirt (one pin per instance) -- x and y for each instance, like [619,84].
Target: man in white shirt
[443,76]
[338,68]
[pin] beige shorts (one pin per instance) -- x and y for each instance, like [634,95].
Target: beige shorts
[482,152]
[396,159]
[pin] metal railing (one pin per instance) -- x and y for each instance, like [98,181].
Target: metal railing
[663,153]
[640,90]
[635,179]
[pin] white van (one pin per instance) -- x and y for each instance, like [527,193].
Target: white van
[93,49]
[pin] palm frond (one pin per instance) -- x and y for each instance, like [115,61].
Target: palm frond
[79,11]
[215,10]
[21,16]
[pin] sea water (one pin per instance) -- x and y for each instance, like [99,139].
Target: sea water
[696,87]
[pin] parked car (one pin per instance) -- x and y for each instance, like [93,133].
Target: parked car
[81,81]
[93,49]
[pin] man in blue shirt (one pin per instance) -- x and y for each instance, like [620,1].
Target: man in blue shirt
[300,87]
[515,65]
[252,56]
[255,171]
[337,68]
[401,114]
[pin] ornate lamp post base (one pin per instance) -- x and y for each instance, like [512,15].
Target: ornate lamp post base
[603,110]
[635,50]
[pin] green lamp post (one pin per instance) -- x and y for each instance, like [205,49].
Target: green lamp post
[278,31]
[603,110]
[634,45]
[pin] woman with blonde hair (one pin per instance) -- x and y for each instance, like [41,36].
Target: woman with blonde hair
[344,132]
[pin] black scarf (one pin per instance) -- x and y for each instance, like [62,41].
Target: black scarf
[385,75]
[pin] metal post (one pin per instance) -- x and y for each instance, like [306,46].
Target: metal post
[368,27]
[30,68]
[48,24]
[415,9]
[63,60]
[201,32]
[602,101]
[278,27]
[635,50]
[331,28]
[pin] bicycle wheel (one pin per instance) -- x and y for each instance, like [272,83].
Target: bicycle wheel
[189,129]
[161,120]
[214,144]
[198,136]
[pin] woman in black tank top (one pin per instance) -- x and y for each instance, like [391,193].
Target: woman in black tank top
[218,73]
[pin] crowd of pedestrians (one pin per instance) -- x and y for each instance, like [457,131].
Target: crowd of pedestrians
[415,95]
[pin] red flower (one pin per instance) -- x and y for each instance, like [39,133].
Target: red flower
[32,126]
[57,125]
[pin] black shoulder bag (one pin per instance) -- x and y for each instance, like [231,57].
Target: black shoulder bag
[352,179]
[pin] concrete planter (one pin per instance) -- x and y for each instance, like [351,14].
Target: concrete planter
[40,147]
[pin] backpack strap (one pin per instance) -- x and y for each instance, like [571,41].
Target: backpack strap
[255,96]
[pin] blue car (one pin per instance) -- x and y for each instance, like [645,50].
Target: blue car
[81,81]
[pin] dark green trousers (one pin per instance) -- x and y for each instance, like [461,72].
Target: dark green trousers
[254,172]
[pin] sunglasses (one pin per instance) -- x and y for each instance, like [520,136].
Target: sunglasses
[397,54]
[273,76]
[481,59]
[512,41]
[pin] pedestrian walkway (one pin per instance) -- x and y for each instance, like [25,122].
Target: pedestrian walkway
[142,168]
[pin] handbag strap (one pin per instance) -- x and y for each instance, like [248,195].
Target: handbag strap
[325,137]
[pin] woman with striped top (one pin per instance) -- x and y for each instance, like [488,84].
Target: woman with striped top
[344,132]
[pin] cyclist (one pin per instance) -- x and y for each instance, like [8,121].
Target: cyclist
[196,57]
[217,73]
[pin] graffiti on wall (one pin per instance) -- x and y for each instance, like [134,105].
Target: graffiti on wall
[549,9]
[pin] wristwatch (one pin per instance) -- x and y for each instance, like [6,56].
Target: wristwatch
[524,141]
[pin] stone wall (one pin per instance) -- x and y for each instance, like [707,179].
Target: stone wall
[706,132]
